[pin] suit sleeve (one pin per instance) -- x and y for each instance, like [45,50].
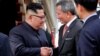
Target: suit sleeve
[5,49]
[19,49]
[87,44]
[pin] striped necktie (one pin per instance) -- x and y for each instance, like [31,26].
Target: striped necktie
[64,30]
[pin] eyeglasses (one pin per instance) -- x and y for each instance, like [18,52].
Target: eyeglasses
[41,17]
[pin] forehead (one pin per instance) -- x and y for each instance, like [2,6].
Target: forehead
[40,12]
[58,7]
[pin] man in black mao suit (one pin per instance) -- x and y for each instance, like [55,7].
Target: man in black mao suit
[5,49]
[67,41]
[89,39]
[29,39]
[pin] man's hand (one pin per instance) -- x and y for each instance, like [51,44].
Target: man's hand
[46,51]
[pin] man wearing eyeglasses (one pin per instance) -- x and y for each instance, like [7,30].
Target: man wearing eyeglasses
[28,39]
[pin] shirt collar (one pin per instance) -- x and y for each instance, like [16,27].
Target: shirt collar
[85,19]
[29,27]
[69,23]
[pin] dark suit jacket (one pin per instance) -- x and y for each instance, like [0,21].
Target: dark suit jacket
[89,40]
[67,43]
[98,12]
[5,49]
[26,41]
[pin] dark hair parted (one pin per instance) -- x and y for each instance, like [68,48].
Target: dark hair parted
[34,7]
[89,5]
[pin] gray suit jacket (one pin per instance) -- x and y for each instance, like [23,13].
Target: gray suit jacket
[67,43]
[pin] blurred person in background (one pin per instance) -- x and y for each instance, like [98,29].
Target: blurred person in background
[5,49]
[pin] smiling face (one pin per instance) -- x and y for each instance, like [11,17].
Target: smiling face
[64,17]
[60,14]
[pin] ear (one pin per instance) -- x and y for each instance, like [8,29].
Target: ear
[81,8]
[68,14]
[30,17]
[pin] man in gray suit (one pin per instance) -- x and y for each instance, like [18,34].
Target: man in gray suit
[69,31]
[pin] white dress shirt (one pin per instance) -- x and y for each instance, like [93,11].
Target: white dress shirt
[85,19]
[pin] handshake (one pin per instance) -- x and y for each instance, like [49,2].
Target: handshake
[46,51]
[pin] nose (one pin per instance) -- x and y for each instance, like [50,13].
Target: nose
[57,16]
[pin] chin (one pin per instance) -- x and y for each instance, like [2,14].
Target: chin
[62,22]
[41,26]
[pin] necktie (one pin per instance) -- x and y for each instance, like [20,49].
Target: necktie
[64,30]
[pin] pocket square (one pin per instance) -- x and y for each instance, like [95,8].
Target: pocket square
[68,38]
[68,31]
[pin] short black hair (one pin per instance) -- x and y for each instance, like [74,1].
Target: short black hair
[34,7]
[89,5]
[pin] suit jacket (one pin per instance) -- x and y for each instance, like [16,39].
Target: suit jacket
[26,41]
[98,12]
[5,49]
[89,40]
[67,43]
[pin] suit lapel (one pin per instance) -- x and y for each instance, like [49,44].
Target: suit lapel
[66,34]
[60,34]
